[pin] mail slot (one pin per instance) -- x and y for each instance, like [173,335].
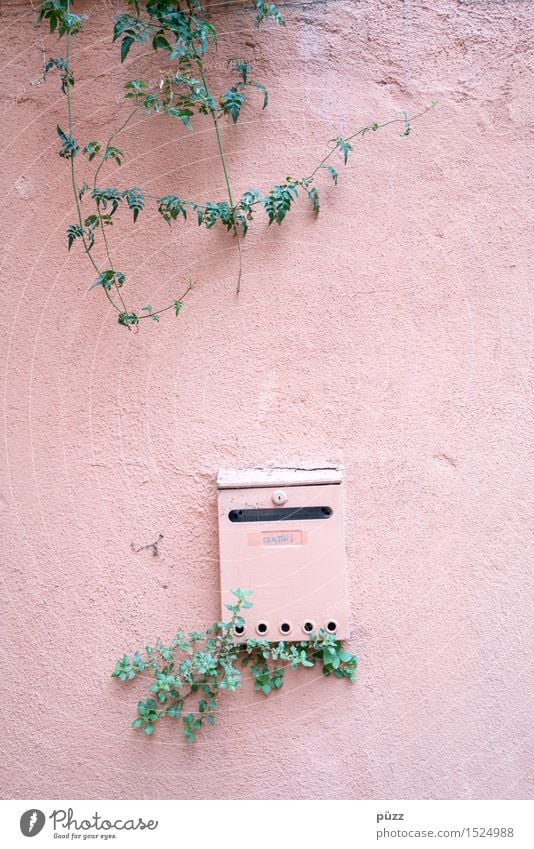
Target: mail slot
[281,535]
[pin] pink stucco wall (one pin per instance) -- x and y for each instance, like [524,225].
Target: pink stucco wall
[392,335]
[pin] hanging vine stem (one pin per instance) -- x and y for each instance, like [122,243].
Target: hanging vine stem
[86,246]
[40,79]
[180,96]
[226,177]
[99,213]
[339,143]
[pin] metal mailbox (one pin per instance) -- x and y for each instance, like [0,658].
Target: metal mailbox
[281,535]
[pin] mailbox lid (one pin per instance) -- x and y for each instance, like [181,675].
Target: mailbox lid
[281,476]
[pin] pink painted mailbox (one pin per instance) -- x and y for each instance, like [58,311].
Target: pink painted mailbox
[281,536]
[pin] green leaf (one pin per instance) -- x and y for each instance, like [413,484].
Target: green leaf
[268,10]
[279,200]
[241,67]
[106,279]
[114,153]
[125,46]
[346,656]
[231,102]
[170,207]
[71,24]
[74,231]
[148,729]
[135,200]
[183,115]
[91,149]
[137,723]
[135,89]
[313,195]
[69,145]
[56,12]
[66,75]
[265,93]
[333,173]
[159,42]
[344,147]
[128,319]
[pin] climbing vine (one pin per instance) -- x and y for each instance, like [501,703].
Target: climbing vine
[192,671]
[179,29]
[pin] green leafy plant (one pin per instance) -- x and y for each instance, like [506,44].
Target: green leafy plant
[192,671]
[179,29]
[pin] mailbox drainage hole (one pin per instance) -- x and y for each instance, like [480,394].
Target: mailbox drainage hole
[285,627]
[331,626]
[262,627]
[308,627]
[239,629]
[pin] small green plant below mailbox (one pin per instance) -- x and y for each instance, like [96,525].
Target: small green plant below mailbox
[193,670]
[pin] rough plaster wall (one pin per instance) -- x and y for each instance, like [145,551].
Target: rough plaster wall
[391,335]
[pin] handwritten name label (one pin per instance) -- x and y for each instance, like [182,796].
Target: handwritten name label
[268,539]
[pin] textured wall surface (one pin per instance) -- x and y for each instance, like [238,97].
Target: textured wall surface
[391,335]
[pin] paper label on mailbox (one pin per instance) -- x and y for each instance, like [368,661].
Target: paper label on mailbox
[268,539]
